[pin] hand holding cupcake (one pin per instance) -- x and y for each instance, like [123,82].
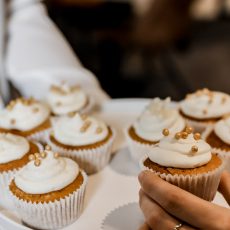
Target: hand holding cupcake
[187,161]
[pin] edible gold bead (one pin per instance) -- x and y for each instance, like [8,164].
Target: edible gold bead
[99,130]
[56,155]
[37,162]
[58,103]
[31,157]
[197,136]
[84,117]
[165,132]
[37,155]
[35,110]
[48,148]
[43,154]
[189,129]
[12,121]
[184,135]
[194,149]
[71,114]
[178,136]
[204,111]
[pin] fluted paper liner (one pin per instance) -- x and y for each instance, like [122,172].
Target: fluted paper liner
[203,185]
[224,154]
[40,136]
[91,160]
[52,215]
[136,148]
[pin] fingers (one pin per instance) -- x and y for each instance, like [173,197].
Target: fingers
[224,186]
[183,205]
[156,217]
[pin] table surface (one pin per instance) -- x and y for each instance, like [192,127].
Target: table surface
[108,189]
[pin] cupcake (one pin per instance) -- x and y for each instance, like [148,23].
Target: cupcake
[218,137]
[26,117]
[147,129]
[204,108]
[187,161]
[48,192]
[84,139]
[64,99]
[14,154]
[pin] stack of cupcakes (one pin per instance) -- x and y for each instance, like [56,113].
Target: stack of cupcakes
[187,161]
[204,108]
[48,192]
[26,117]
[83,138]
[147,129]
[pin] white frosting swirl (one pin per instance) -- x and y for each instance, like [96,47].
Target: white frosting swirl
[155,118]
[64,99]
[177,153]
[205,104]
[12,147]
[222,130]
[68,130]
[51,175]
[24,116]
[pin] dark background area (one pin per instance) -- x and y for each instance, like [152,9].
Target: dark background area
[105,37]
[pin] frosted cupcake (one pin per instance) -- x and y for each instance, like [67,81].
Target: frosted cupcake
[64,99]
[147,129]
[48,192]
[218,138]
[185,160]
[204,108]
[14,154]
[84,139]
[26,117]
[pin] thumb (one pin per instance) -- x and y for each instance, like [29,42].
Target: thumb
[224,186]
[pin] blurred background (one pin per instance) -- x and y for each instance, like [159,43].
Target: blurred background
[148,48]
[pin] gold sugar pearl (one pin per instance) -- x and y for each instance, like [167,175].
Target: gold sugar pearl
[12,121]
[84,117]
[165,132]
[210,101]
[43,155]
[47,147]
[37,162]
[37,155]
[31,157]
[205,111]
[178,136]
[184,135]
[71,114]
[99,130]
[56,155]
[197,136]
[189,129]
[85,126]
[194,149]
[58,103]
[35,110]
[223,100]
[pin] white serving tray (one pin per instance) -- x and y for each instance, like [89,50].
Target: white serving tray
[107,189]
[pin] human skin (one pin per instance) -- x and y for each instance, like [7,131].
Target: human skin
[165,205]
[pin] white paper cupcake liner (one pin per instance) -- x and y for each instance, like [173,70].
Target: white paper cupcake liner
[202,185]
[52,215]
[91,160]
[137,149]
[40,136]
[224,154]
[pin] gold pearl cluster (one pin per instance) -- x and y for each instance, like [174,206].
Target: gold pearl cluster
[62,91]
[22,100]
[184,135]
[37,157]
